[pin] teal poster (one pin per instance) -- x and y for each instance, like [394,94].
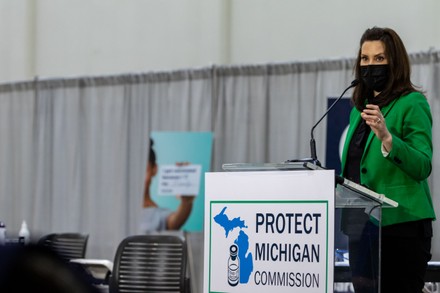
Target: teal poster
[193,148]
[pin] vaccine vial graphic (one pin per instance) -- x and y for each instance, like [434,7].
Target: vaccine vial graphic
[233,266]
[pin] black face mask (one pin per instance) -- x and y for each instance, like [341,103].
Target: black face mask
[375,77]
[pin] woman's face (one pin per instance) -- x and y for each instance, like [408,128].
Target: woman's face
[373,53]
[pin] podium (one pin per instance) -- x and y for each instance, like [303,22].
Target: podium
[271,228]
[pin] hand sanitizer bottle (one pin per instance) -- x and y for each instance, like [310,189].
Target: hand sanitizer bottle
[24,235]
[2,233]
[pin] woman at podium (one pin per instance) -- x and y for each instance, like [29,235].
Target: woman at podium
[388,149]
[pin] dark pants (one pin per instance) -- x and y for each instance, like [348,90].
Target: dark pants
[404,263]
[404,258]
[363,252]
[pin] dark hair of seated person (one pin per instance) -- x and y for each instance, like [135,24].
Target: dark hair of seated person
[35,268]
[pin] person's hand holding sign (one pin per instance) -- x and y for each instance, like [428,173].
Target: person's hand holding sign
[178,218]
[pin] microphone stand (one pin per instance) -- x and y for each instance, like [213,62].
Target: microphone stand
[314,159]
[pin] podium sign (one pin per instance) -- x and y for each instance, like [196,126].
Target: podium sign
[269,231]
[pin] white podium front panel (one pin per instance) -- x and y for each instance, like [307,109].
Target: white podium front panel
[269,231]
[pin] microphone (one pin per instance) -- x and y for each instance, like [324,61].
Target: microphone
[314,158]
[312,139]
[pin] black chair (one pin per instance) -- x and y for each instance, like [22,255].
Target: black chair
[150,263]
[67,245]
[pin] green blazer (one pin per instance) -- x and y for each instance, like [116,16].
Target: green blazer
[402,174]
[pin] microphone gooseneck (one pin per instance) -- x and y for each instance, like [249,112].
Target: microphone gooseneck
[314,158]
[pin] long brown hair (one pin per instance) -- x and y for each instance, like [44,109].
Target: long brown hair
[399,82]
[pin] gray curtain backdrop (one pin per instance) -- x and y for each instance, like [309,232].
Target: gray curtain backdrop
[73,151]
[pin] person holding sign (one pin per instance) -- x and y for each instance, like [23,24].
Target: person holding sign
[155,218]
[388,149]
